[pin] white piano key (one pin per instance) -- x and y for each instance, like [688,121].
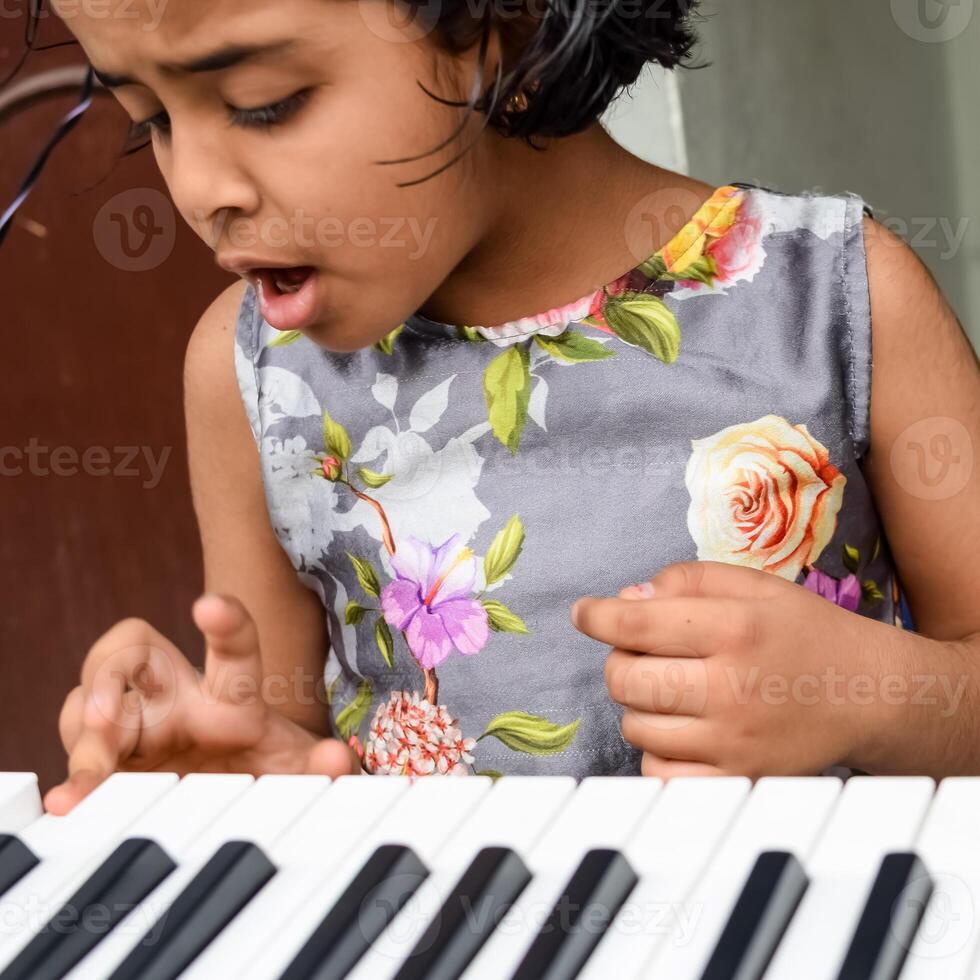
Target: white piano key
[669,850]
[781,813]
[875,815]
[947,942]
[20,801]
[238,808]
[424,818]
[603,812]
[70,848]
[516,813]
[323,837]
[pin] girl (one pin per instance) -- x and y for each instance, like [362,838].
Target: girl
[481,363]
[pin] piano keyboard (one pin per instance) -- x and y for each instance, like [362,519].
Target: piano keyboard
[304,878]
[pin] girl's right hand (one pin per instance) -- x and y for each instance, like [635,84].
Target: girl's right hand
[142,706]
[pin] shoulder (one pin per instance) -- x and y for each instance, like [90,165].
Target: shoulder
[923,363]
[216,325]
[210,382]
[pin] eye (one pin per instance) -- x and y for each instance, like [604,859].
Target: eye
[261,117]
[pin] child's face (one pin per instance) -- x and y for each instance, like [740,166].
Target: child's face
[304,192]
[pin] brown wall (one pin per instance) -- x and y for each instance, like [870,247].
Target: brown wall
[91,356]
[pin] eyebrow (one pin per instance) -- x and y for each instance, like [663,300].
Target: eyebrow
[219,60]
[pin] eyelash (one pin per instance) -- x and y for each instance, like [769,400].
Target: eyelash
[261,117]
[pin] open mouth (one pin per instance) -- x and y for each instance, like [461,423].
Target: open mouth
[287,297]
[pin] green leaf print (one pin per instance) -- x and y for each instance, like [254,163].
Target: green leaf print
[373,479]
[503,551]
[502,619]
[573,348]
[645,321]
[654,267]
[494,774]
[877,548]
[354,613]
[286,338]
[366,575]
[350,718]
[382,636]
[386,344]
[331,690]
[532,734]
[851,558]
[335,438]
[703,270]
[870,591]
[469,333]
[507,385]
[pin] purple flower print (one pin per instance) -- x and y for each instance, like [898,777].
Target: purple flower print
[845,592]
[430,600]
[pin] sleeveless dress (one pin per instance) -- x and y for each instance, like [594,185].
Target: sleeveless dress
[449,491]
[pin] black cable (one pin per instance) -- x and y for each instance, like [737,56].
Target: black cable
[66,125]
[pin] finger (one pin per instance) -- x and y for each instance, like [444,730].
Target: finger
[682,626]
[332,757]
[652,765]
[666,685]
[70,718]
[717,579]
[233,664]
[107,737]
[679,737]
[129,649]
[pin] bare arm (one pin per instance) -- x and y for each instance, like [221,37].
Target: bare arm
[242,556]
[923,467]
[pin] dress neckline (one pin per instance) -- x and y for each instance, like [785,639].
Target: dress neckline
[716,210]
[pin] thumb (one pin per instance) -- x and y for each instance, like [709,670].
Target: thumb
[232,646]
[332,757]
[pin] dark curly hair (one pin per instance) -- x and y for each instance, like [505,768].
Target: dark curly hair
[566,59]
[562,63]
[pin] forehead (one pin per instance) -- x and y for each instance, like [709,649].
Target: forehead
[171,30]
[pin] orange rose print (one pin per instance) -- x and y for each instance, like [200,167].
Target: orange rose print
[763,494]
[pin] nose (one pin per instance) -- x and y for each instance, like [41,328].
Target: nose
[208,181]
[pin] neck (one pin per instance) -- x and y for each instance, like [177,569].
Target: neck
[564,221]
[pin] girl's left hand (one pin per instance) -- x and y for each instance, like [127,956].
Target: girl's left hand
[729,670]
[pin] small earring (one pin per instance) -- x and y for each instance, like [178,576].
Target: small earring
[518,102]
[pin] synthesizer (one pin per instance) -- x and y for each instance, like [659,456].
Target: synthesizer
[306,878]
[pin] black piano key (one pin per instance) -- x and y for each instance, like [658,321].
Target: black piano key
[890,919]
[16,859]
[588,904]
[759,918]
[379,890]
[212,898]
[119,884]
[474,908]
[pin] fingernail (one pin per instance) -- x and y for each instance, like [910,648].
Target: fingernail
[575,610]
[642,590]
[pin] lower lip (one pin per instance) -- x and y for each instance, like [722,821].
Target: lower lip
[287,311]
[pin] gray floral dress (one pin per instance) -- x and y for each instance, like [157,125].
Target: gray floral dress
[449,491]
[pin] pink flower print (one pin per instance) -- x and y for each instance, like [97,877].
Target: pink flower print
[409,736]
[845,592]
[738,254]
[430,600]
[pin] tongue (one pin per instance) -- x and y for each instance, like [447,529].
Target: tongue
[294,275]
